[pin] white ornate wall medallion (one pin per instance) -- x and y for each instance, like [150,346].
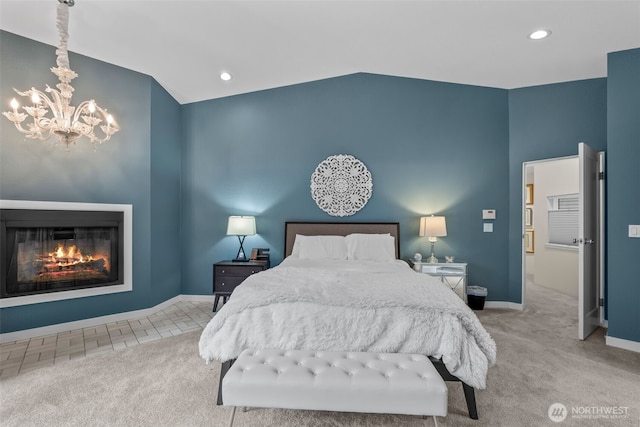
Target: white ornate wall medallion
[341,185]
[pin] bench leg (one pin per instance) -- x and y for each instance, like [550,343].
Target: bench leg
[224,367]
[233,415]
[435,421]
[469,393]
[470,396]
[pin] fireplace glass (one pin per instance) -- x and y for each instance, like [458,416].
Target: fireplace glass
[51,254]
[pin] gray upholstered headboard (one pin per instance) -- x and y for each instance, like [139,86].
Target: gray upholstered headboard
[338,229]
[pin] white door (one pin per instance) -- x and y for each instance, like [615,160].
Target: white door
[588,243]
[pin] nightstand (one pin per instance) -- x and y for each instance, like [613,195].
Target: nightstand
[228,274]
[452,274]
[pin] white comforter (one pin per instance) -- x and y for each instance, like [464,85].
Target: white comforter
[351,306]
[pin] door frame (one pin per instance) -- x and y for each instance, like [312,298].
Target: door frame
[601,227]
[602,187]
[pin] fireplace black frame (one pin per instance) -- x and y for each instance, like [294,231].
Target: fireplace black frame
[63,221]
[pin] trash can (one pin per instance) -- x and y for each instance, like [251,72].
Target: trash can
[476,296]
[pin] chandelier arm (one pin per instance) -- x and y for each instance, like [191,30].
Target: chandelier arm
[80,109]
[110,127]
[42,136]
[49,103]
[87,128]
[20,128]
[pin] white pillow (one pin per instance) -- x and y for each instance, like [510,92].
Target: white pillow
[374,247]
[295,251]
[320,247]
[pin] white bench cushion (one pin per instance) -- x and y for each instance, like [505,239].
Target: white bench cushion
[387,383]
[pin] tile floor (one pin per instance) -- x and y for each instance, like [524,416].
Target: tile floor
[21,356]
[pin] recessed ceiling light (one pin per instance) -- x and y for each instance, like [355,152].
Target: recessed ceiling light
[540,34]
[225,76]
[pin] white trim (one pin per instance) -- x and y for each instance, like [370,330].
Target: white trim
[504,304]
[602,188]
[622,343]
[127,286]
[96,321]
[206,298]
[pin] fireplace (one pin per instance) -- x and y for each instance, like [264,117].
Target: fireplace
[59,251]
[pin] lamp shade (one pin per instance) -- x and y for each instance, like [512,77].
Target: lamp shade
[433,226]
[241,226]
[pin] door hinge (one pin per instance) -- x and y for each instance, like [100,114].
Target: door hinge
[601,302]
[600,175]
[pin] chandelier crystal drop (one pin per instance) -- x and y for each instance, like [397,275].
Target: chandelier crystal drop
[69,123]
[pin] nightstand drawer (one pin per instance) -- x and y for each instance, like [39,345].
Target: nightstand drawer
[237,270]
[446,270]
[453,274]
[226,284]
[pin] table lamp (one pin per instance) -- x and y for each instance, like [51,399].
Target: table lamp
[433,227]
[241,226]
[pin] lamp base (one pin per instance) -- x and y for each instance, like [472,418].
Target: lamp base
[241,256]
[432,259]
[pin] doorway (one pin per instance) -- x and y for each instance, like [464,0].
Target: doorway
[563,235]
[550,267]
[549,264]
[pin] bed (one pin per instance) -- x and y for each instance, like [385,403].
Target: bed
[342,287]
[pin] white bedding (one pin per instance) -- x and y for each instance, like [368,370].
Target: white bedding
[350,305]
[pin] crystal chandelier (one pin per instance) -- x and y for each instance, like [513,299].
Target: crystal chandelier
[66,121]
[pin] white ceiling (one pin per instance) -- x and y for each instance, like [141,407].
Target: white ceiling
[185,44]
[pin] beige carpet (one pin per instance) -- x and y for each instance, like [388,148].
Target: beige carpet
[165,383]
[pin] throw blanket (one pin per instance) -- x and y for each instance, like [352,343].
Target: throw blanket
[382,307]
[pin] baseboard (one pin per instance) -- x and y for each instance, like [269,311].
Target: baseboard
[504,304]
[209,298]
[96,321]
[622,343]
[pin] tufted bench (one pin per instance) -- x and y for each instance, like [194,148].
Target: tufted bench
[387,383]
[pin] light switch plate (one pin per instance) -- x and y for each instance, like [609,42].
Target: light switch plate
[487,227]
[488,214]
[634,231]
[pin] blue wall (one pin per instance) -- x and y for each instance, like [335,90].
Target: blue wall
[546,122]
[431,148]
[165,196]
[623,181]
[120,171]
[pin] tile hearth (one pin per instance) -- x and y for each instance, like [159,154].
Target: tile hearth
[21,356]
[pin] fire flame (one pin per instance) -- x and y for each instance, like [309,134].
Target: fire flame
[72,256]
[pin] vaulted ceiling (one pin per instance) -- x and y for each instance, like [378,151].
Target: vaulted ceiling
[186,44]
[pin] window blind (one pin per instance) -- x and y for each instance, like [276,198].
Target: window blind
[563,219]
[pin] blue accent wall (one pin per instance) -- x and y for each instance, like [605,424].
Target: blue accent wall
[124,170]
[546,122]
[432,148]
[623,196]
